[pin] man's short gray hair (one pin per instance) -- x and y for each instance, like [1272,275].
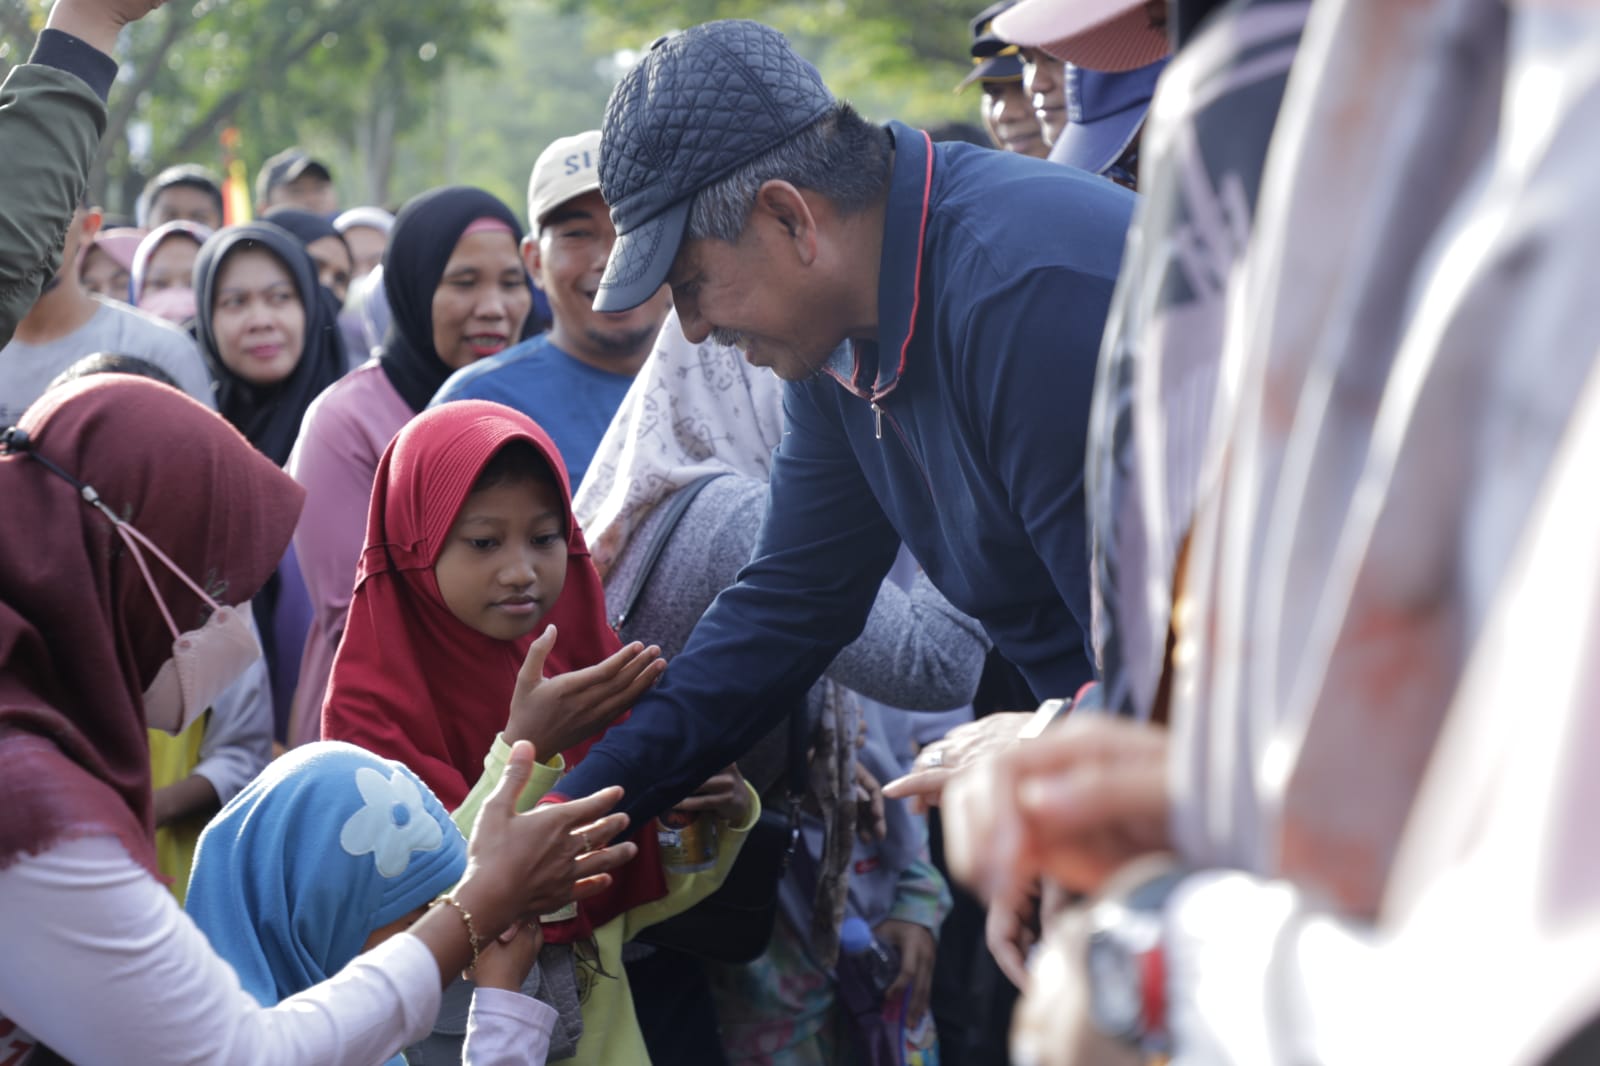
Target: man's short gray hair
[841,155]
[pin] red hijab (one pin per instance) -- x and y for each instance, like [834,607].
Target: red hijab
[412,682]
[80,635]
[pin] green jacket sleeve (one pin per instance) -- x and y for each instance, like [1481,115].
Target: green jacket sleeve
[52,113]
[542,780]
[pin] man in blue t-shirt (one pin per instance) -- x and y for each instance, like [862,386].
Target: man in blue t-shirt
[570,380]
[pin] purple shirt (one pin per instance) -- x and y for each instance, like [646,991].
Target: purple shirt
[344,434]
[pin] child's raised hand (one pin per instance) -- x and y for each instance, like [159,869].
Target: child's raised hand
[724,794]
[556,713]
[505,962]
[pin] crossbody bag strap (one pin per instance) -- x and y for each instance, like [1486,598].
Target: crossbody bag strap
[676,504]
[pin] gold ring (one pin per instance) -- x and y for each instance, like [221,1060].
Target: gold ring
[584,836]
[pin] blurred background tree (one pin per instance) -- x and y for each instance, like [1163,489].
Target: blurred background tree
[400,95]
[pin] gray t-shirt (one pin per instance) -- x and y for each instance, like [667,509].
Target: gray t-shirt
[26,370]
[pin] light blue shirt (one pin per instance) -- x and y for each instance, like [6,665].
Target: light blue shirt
[572,401]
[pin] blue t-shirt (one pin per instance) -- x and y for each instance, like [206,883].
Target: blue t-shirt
[572,401]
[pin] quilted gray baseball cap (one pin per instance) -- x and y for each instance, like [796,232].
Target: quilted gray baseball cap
[700,104]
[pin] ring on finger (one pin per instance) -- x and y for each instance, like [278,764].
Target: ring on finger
[584,837]
[935,757]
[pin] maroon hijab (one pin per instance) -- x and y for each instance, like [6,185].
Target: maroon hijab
[80,635]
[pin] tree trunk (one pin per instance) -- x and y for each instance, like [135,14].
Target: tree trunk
[377,146]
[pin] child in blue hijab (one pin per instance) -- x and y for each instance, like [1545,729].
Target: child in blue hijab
[330,851]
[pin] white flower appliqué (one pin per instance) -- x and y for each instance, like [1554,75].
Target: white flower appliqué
[391,824]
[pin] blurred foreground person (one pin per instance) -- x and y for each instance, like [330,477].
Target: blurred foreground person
[1350,578]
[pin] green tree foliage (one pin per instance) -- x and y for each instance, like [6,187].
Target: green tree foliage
[544,78]
[327,74]
[401,95]
[891,58]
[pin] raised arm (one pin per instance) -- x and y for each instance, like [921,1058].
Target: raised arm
[52,113]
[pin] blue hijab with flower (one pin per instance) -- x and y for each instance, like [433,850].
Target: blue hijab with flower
[329,844]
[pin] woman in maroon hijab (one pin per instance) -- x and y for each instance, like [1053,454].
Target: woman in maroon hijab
[132,514]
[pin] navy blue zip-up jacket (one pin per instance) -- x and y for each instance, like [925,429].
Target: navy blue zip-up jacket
[960,431]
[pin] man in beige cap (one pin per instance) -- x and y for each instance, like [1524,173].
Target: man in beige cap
[572,379]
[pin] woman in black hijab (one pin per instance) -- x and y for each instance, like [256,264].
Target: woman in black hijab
[431,278]
[268,331]
[327,247]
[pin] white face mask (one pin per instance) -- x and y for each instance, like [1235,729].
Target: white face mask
[204,662]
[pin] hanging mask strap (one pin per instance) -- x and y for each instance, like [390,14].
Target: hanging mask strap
[15,441]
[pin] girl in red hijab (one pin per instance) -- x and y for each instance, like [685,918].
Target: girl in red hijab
[478,620]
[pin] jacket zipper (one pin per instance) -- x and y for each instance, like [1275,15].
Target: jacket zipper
[878,414]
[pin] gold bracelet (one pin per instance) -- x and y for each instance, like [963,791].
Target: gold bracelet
[472,931]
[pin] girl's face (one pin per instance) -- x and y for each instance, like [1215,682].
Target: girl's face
[481,300]
[171,266]
[103,275]
[505,560]
[257,319]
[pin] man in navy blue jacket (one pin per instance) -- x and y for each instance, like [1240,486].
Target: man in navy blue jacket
[937,312]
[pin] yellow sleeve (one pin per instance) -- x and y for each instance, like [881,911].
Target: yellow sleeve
[542,780]
[685,890]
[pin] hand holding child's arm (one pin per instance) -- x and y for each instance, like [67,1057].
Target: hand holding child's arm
[556,713]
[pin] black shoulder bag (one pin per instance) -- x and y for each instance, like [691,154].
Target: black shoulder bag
[734,924]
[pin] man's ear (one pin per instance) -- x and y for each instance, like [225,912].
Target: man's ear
[785,205]
[531,258]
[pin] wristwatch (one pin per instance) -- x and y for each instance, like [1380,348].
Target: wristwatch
[1127,965]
